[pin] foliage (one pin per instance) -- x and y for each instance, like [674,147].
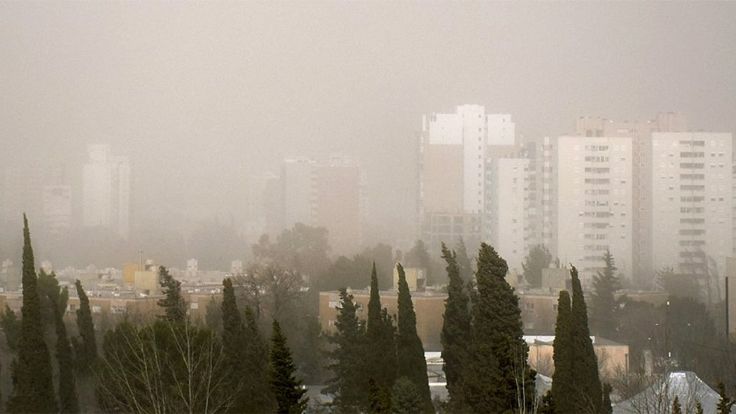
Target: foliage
[410,352]
[680,285]
[405,399]
[68,400]
[175,308]
[86,348]
[603,302]
[464,263]
[500,379]
[563,379]
[726,403]
[537,259]
[585,363]
[455,332]
[33,389]
[287,390]
[381,349]
[164,367]
[11,326]
[676,407]
[347,359]
[302,249]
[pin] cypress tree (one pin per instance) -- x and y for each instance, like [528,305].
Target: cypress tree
[68,401]
[380,358]
[455,332]
[233,345]
[603,302]
[410,352]
[86,350]
[348,383]
[563,383]
[256,367]
[33,390]
[585,363]
[379,401]
[286,389]
[175,307]
[11,327]
[499,352]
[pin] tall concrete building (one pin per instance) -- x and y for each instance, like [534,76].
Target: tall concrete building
[594,202]
[509,209]
[452,169]
[692,196]
[106,191]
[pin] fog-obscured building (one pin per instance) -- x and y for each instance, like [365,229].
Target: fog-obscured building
[106,191]
[454,148]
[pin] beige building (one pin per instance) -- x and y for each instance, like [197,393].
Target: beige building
[594,202]
[692,184]
[613,357]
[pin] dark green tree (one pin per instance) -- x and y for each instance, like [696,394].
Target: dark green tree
[287,390]
[585,362]
[546,404]
[379,401]
[563,379]
[86,347]
[539,258]
[418,256]
[405,398]
[725,404]
[603,303]
[68,400]
[173,303]
[455,332]
[33,390]
[257,387]
[410,352]
[213,315]
[348,366]
[676,407]
[11,326]
[500,379]
[380,358]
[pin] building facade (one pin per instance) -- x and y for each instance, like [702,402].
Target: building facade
[106,191]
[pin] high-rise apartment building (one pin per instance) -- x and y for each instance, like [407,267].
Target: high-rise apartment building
[692,214]
[106,191]
[453,152]
[509,211]
[594,202]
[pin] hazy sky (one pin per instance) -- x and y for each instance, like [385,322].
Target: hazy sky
[202,94]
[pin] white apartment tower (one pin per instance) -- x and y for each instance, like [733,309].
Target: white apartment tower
[508,219]
[106,191]
[594,202]
[692,195]
[453,150]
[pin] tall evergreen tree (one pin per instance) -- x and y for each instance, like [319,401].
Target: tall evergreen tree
[86,348]
[286,389]
[455,332]
[380,358]
[603,302]
[500,380]
[348,366]
[539,258]
[68,400]
[33,390]
[175,307]
[606,407]
[563,379]
[410,352]
[256,367]
[585,362]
